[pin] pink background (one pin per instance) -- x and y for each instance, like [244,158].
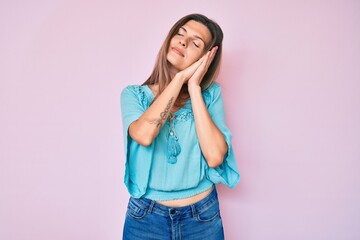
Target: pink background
[291,81]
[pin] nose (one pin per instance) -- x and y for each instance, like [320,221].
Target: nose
[182,42]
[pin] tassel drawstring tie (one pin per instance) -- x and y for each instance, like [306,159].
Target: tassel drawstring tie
[173,147]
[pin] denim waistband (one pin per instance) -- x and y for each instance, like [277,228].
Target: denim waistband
[192,209]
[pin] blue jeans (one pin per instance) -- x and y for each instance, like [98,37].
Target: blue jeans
[147,219]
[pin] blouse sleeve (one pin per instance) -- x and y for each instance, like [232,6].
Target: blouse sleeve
[227,173]
[136,171]
[131,107]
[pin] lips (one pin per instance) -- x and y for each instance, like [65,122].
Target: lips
[178,51]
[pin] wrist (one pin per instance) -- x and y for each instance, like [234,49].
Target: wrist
[194,88]
[180,77]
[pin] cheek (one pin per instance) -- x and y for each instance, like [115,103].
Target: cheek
[171,43]
[175,40]
[195,56]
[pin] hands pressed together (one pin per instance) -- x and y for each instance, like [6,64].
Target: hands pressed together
[211,139]
[140,131]
[194,74]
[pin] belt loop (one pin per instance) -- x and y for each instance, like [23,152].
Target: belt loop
[193,210]
[151,206]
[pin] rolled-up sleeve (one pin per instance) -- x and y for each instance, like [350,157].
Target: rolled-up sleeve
[227,173]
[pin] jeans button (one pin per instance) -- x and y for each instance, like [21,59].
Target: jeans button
[172,211]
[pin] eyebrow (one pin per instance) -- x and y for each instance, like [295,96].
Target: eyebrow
[196,36]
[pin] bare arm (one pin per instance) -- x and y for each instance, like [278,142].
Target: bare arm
[145,129]
[147,126]
[212,141]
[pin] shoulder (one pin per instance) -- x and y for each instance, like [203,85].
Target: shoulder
[135,92]
[214,88]
[212,92]
[131,88]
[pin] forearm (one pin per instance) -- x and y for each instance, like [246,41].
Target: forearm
[147,127]
[211,140]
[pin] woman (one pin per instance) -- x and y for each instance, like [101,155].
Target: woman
[177,145]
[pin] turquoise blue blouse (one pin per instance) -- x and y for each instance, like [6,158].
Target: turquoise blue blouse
[173,166]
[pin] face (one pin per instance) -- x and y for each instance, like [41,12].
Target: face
[188,45]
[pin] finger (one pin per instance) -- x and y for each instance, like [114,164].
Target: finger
[194,67]
[212,55]
[203,57]
[214,51]
[209,58]
[206,59]
[198,63]
[208,55]
[202,66]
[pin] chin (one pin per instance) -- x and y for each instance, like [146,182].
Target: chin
[174,64]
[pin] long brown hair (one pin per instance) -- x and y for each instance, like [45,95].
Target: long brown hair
[161,72]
